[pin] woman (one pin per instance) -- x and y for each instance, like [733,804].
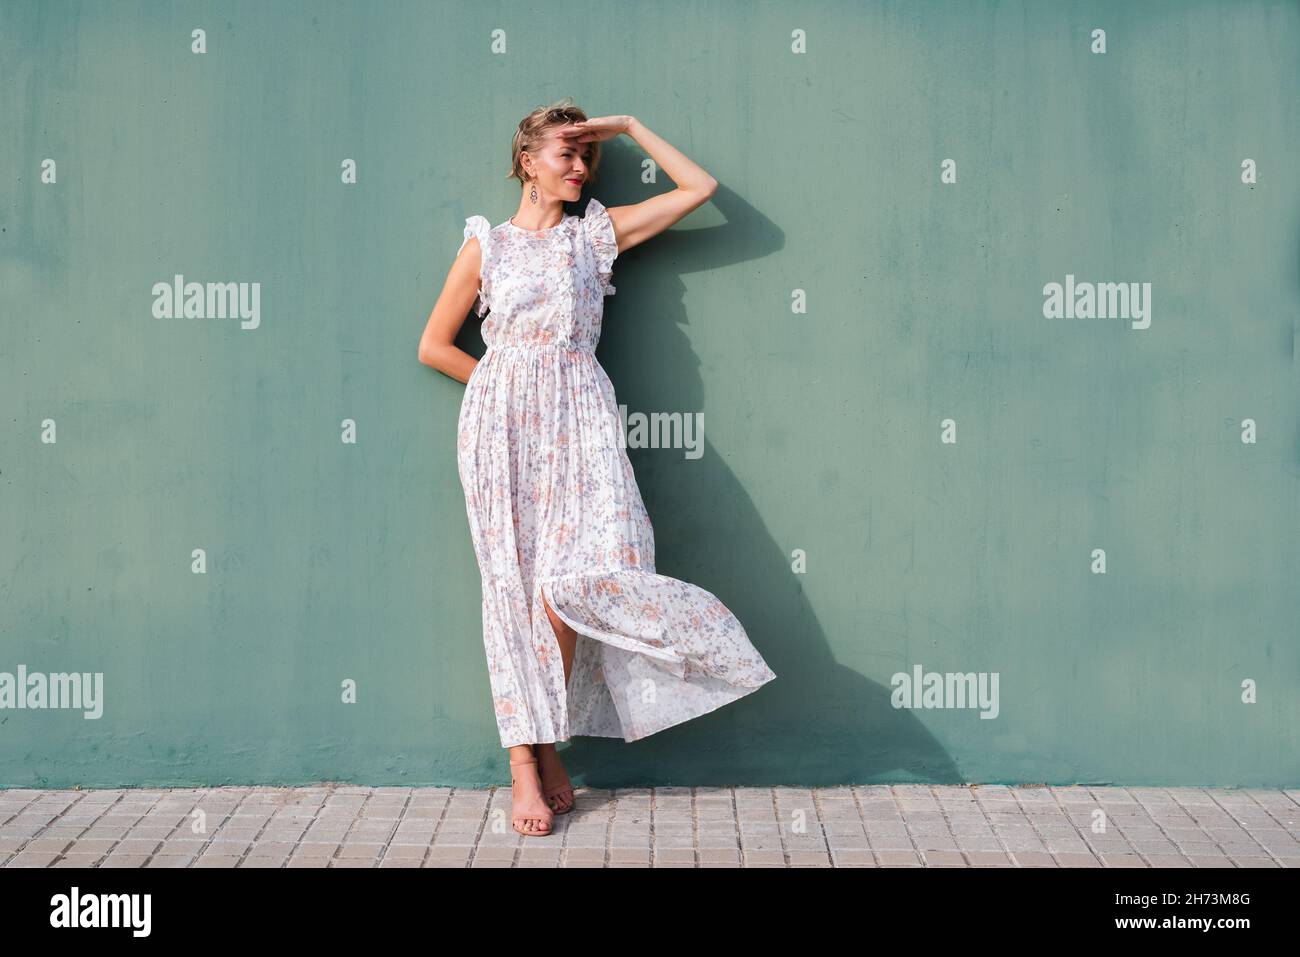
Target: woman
[582,636]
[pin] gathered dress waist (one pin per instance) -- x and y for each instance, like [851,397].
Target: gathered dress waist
[539,347]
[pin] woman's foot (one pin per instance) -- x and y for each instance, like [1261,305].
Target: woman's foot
[556,788]
[529,814]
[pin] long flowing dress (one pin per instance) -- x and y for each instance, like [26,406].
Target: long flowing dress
[554,509]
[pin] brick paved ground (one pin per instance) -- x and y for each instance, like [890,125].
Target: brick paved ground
[879,825]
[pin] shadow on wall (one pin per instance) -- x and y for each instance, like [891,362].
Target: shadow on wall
[818,723]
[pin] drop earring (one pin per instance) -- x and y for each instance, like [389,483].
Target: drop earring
[533,194]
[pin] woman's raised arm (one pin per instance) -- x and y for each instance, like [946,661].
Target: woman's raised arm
[640,221]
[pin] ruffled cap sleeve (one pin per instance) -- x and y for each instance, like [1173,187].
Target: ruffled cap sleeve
[600,233]
[478,227]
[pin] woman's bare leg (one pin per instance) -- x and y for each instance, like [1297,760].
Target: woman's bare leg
[554,778]
[566,636]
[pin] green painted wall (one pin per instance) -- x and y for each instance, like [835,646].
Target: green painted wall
[824,428]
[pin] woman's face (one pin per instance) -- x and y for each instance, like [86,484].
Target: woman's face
[560,166]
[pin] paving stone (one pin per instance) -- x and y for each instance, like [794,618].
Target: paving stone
[849,826]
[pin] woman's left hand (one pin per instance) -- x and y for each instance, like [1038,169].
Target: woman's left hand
[596,129]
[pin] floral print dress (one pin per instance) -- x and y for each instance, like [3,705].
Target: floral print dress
[554,509]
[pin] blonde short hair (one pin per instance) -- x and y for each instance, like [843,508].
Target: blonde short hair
[532,131]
